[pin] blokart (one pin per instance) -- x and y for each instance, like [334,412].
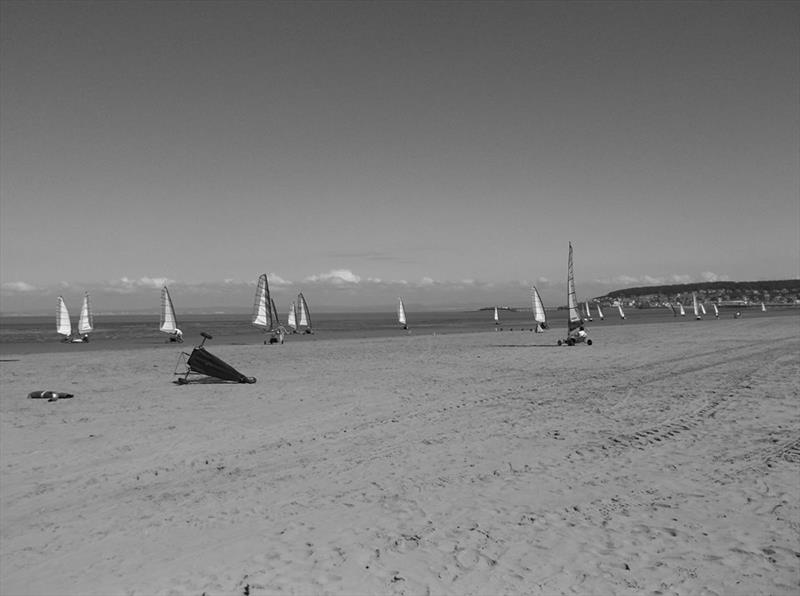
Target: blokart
[203,362]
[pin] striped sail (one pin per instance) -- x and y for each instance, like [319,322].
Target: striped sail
[262,308]
[538,308]
[574,320]
[168,324]
[302,307]
[86,320]
[63,326]
[401,312]
[291,318]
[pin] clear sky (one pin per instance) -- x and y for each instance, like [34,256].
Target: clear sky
[443,151]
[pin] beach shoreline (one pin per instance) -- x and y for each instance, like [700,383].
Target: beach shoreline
[663,459]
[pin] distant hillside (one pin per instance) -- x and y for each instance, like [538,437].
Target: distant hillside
[777,292]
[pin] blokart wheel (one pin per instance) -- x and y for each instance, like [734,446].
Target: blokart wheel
[588,342]
[570,342]
[559,342]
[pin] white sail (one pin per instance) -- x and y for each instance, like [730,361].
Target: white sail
[587,311]
[574,320]
[496,316]
[702,308]
[262,305]
[538,308]
[168,323]
[683,312]
[291,318]
[716,310]
[763,308]
[304,315]
[695,307]
[401,313]
[63,326]
[86,320]
[600,313]
[619,308]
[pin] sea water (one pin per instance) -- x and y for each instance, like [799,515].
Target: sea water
[35,334]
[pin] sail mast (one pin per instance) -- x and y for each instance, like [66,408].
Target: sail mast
[574,321]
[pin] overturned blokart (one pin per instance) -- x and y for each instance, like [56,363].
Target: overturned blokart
[203,362]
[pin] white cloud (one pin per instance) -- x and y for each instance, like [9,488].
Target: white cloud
[709,276]
[126,285]
[18,287]
[336,277]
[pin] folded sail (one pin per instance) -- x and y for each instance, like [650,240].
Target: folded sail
[262,306]
[575,320]
[63,326]
[538,308]
[168,324]
[86,320]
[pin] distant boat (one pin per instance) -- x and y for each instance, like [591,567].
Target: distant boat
[304,317]
[401,313]
[763,308]
[291,318]
[86,320]
[496,316]
[695,307]
[168,322]
[63,325]
[587,311]
[538,311]
[264,315]
[619,308]
[575,331]
[600,313]
[716,310]
[683,312]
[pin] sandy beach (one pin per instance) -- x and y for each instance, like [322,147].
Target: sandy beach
[663,459]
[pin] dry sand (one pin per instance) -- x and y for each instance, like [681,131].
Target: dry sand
[664,459]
